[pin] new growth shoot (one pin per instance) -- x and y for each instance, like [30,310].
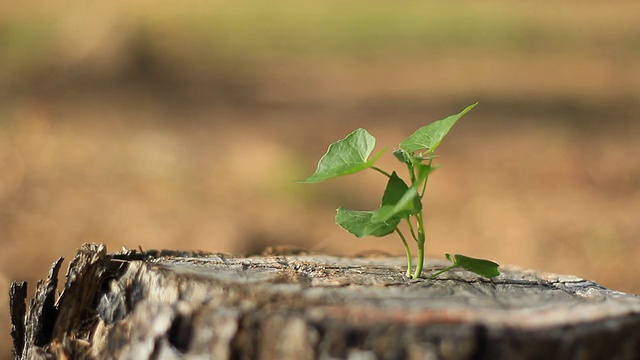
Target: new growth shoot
[401,201]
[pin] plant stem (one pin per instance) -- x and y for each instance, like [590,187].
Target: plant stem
[450,267]
[413,232]
[420,240]
[412,174]
[426,179]
[407,250]
[418,271]
[381,171]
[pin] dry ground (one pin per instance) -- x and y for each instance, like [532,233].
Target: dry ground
[547,184]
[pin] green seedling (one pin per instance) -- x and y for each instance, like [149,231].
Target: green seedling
[401,201]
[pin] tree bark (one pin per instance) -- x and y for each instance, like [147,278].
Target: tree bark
[176,305]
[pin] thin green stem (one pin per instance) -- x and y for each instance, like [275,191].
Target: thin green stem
[407,250]
[450,267]
[424,185]
[420,240]
[413,232]
[418,271]
[381,171]
[412,173]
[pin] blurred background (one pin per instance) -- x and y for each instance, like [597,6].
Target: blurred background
[181,125]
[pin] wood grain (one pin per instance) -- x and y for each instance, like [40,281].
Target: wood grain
[175,305]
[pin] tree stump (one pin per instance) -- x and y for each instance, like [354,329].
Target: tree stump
[177,305]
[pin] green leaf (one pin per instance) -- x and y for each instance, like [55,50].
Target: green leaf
[396,187]
[482,267]
[346,156]
[450,258]
[405,200]
[402,156]
[398,200]
[405,206]
[424,171]
[429,137]
[360,224]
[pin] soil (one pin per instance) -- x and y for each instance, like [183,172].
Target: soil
[543,177]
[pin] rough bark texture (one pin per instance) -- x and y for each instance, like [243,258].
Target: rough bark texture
[174,305]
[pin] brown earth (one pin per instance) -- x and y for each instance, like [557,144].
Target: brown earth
[544,173]
[550,184]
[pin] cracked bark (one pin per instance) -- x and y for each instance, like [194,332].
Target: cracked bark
[174,305]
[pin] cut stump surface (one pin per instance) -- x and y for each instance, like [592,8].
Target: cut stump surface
[176,305]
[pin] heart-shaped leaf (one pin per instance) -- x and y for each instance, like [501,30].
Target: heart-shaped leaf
[429,137]
[397,200]
[402,200]
[347,156]
[360,224]
[396,187]
[482,267]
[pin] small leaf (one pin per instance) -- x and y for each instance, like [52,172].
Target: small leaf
[396,187]
[404,207]
[395,194]
[486,268]
[429,137]
[394,200]
[450,258]
[360,224]
[346,156]
[402,156]
[424,171]
[409,201]
[412,160]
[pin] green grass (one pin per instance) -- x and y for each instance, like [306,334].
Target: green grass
[25,42]
[337,28]
[355,28]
